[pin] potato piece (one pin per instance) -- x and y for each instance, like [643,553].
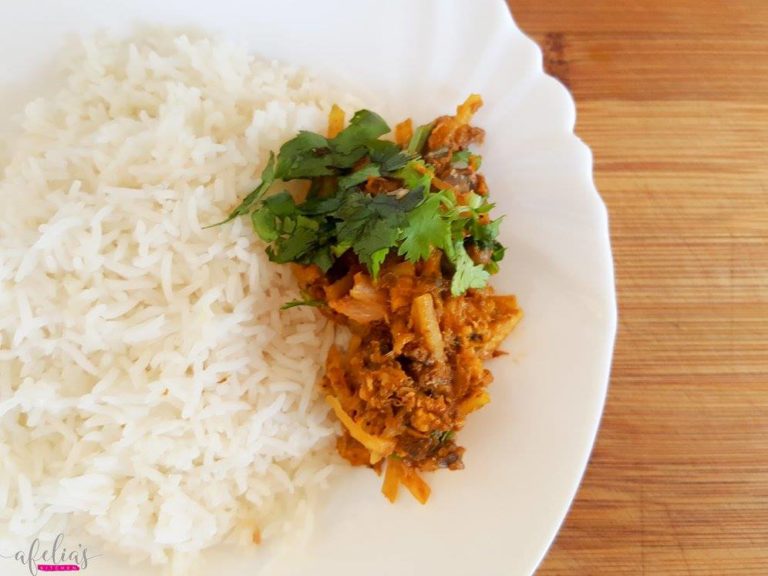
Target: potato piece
[416,485]
[403,132]
[335,121]
[426,324]
[339,289]
[365,303]
[467,109]
[379,447]
[506,316]
[473,403]
[392,477]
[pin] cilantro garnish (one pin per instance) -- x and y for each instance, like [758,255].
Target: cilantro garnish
[467,274]
[340,215]
[304,302]
[427,227]
[419,138]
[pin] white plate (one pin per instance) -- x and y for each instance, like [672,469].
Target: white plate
[528,449]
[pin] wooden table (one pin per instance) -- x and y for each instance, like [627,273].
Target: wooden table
[672,97]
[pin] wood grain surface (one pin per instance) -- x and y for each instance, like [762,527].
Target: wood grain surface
[672,97]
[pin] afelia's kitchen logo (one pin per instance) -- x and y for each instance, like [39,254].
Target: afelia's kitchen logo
[54,558]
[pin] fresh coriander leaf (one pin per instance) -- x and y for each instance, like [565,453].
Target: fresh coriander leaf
[450,252]
[371,225]
[382,150]
[320,206]
[377,236]
[396,162]
[389,156]
[426,228]
[406,203]
[386,216]
[267,178]
[492,228]
[343,161]
[359,176]
[322,258]
[377,259]
[367,230]
[498,251]
[351,216]
[485,207]
[419,138]
[415,175]
[458,225]
[340,248]
[288,225]
[364,127]
[304,156]
[265,224]
[479,204]
[474,201]
[305,302]
[300,242]
[448,199]
[484,235]
[467,274]
[281,204]
[304,222]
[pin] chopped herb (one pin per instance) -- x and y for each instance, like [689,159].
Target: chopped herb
[467,274]
[419,138]
[305,302]
[389,156]
[498,252]
[371,224]
[267,178]
[427,228]
[305,156]
[359,176]
[265,225]
[365,127]
[338,215]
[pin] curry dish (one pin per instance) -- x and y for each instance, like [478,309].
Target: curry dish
[397,245]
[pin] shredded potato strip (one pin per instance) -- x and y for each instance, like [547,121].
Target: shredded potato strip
[392,478]
[465,111]
[473,403]
[379,447]
[404,132]
[335,121]
[398,473]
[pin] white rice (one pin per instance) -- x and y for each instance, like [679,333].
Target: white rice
[151,392]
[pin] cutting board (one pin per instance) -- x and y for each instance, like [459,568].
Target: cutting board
[672,97]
